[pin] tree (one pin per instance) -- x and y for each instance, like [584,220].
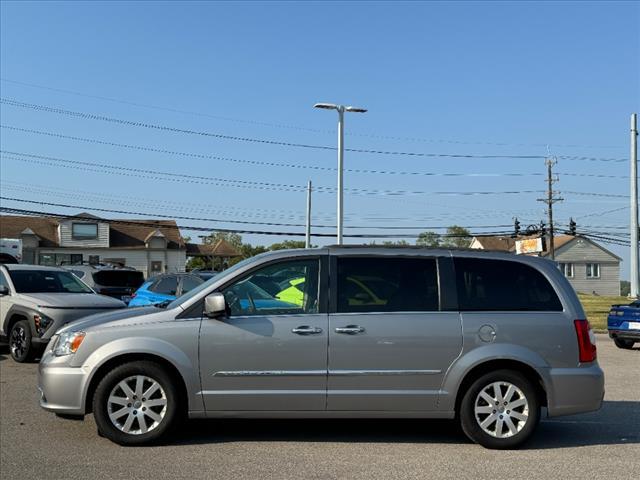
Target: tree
[287,244]
[457,237]
[428,239]
[234,239]
[389,243]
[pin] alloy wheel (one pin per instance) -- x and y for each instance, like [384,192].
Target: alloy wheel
[137,405]
[501,409]
[18,342]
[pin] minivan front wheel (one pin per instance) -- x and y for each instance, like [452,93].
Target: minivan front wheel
[136,403]
[500,410]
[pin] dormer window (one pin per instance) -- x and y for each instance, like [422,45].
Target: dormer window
[84,231]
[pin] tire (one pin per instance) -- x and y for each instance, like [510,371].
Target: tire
[497,432]
[20,346]
[159,413]
[623,343]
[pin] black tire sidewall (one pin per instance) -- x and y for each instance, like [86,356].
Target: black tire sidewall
[467,415]
[623,343]
[29,351]
[146,368]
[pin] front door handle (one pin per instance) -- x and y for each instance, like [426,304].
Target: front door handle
[350,329]
[306,330]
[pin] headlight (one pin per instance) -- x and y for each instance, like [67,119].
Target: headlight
[68,343]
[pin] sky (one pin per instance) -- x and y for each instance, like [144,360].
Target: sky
[220,96]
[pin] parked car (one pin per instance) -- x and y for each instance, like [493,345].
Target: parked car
[113,281]
[10,250]
[35,301]
[164,288]
[623,324]
[487,338]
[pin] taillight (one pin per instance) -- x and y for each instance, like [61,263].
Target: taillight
[586,341]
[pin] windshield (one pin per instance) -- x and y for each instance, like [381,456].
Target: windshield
[192,293]
[47,281]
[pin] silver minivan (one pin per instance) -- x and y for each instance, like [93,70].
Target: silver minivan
[490,339]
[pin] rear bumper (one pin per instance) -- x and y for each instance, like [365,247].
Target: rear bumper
[625,334]
[575,390]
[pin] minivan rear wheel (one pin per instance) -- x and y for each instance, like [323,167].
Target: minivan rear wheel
[136,403]
[500,410]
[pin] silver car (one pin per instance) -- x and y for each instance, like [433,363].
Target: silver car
[489,339]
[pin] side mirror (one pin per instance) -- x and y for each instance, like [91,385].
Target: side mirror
[4,290]
[215,305]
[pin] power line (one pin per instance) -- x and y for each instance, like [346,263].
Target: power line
[151,224]
[294,127]
[132,123]
[290,165]
[219,209]
[127,212]
[172,176]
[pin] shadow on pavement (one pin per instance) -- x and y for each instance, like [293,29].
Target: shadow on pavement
[615,424]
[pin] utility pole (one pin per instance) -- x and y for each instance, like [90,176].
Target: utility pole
[307,240]
[635,278]
[550,200]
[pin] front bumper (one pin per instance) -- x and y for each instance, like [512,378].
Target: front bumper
[575,390]
[61,387]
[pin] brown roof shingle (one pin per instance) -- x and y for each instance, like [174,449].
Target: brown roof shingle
[46,228]
[221,248]
[122,233]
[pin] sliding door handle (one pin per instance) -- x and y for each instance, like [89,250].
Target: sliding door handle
[306,330]
[350,329]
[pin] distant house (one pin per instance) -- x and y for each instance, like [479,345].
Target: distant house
[589,267]
[151,246]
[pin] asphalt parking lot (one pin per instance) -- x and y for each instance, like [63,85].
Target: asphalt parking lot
[605,444]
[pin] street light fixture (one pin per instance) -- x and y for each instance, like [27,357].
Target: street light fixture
[340,109]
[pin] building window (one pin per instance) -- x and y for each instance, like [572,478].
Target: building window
[566,269]
[84,231]
[593,270]
[94,259]
[156,267]
[53,259]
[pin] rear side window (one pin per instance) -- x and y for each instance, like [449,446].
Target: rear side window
[166,285]
[501,285]
[378,284]
[119,278]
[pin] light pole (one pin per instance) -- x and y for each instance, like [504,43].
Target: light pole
[340,109]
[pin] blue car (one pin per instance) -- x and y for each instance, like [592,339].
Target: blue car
[164,288]
[623,324]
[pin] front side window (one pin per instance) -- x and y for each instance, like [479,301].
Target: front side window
[284,288]
[378,284]
[502,285]
[84,231]
[593,270]
[46,281]
[190,282]
[566,269]
[3,281]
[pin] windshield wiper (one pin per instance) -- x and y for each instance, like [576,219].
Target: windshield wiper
[163,304]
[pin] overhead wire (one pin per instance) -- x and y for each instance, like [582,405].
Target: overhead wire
[293,127]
